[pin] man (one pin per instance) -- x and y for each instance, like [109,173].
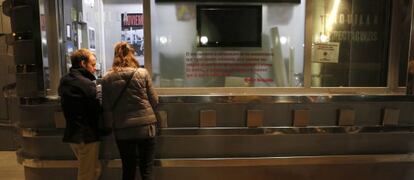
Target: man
[82,110]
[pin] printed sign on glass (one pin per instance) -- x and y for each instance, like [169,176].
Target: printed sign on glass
[133,31]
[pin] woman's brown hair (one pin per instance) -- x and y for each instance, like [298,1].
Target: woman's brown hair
[124,57]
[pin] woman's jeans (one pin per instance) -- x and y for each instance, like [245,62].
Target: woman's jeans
[132,150]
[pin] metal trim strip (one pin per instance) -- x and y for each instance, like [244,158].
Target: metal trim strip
[223,131]
[241,162]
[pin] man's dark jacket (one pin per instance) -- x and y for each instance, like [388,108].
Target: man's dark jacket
[80,106]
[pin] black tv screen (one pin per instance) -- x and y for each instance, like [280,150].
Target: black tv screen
[229,26]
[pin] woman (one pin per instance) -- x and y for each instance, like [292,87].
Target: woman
[129,103]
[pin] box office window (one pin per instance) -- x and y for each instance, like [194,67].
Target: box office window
[270,55]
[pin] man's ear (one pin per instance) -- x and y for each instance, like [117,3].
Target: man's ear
[82,64]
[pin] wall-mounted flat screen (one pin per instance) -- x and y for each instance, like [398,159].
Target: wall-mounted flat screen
[229,26]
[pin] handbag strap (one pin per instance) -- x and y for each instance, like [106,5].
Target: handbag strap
[123,90]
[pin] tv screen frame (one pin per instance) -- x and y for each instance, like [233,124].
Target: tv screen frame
[258,41]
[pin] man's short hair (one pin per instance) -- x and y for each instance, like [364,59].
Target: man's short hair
[80,55]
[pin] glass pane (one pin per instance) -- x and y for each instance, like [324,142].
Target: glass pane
[82,28]
[261,48]
[404,13]
[350,43]
[124,21]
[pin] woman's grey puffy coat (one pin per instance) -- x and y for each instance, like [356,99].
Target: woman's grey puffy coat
[135,107]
